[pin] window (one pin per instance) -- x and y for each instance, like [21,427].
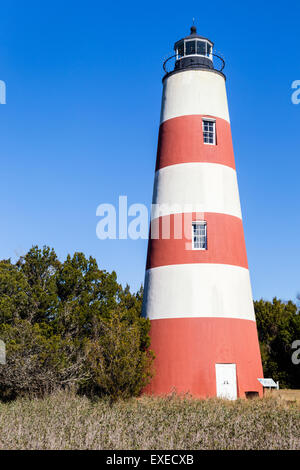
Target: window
[199,235]
[180,50]
[209,132]
[190,47]
[201,47]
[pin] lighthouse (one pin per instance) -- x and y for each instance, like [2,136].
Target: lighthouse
[197,291]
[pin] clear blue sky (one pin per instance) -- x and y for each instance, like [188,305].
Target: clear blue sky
[81,121]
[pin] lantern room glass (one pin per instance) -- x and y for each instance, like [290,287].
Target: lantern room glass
[190,47]
[201,47]
[180,50]
[193,47]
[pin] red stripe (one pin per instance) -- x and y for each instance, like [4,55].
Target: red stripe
[225,242]
[181,141]
[187,350]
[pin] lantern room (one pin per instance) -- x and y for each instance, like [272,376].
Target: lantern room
[194,51]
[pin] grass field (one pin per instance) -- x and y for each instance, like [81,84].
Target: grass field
[66,421]
[287,395]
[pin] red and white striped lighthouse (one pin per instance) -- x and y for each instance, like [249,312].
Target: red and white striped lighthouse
[197,286]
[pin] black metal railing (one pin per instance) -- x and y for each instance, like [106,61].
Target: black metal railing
[218,63]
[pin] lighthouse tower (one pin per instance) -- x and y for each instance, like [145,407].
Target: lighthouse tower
[197,286]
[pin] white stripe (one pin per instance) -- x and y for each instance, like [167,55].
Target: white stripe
[196,187]
[194,92]
[198,290]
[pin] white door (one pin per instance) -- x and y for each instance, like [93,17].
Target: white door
[226,381]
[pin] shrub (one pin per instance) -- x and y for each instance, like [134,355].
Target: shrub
[278,325]
[119,367]
[38,361]
[70,323]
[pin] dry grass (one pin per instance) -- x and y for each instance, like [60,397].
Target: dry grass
[292,396]
[66,421]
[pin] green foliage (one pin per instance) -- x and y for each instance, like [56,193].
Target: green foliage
[39,268]
[37,359]
[119,367]
[278,326]
[15,300]
[70,323]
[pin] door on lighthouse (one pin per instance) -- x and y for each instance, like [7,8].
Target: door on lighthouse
[226,381]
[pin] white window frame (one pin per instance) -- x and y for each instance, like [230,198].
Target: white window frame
[201,55]
[203,223]
[210,56]
[207,119]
